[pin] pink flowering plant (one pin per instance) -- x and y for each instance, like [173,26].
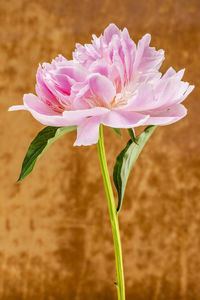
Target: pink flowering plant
[111,82]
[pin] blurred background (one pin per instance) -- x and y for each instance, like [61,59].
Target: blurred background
[55,236]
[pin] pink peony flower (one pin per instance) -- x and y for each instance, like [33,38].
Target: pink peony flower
[110,81]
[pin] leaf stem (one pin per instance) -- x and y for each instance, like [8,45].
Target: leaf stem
[113,217]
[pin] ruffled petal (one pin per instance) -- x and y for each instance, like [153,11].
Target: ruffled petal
[129,51]
[174,91]
[166,117]
[147,58]
[110,31]
[160,94]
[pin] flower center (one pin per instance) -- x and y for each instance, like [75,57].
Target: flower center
[123,97]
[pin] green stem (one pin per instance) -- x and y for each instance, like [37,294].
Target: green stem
[113,217]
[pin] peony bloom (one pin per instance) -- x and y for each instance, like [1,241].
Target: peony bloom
[110,81]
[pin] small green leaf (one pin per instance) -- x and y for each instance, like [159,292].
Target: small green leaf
[39,145]
[126,160]
[132,135]
[117,131]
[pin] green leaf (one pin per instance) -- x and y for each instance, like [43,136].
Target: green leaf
[117,131]
[126,160]
[39,145]
[132,135]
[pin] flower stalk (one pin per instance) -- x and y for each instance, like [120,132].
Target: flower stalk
[113,217]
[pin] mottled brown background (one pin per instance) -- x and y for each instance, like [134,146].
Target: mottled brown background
[55,237]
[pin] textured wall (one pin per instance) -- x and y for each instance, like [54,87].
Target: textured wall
[55,237]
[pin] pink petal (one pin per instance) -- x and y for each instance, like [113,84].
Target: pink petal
[147,58]
[79,95]
[123,119]
[82,56]
[159,95]
[42,90]
[59,94]
[75,71]
[44,93]
[102,88]
[43,113]
[118,59]
[144,100]
[100,67]
[17,107]
[34,103]
[188,91]
[171,72]
[76,116]
[169,116]
[46,116]
[129,50]
[110,31]
[142,44]
[88,132]
[64,83]
[173,92]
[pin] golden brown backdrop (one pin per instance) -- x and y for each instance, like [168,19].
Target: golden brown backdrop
[55,237]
